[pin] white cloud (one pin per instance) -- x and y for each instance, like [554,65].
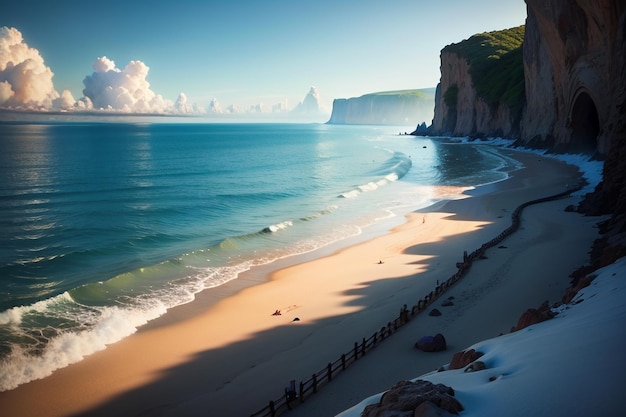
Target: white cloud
[65,101]
[125,90]
[215,107]
[181,105]
[25,81]
[128,91]
[26,84]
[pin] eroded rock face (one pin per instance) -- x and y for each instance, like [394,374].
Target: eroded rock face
[472,116]
[574,74]
[404,398]
[534,316]
[575,92]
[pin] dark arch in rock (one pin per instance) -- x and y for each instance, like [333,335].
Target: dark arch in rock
[585,125]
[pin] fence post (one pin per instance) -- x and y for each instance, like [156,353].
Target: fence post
[272,409]
[356,350]
[363,348]
[343,361]
[301,391]
[329,368]
[314,383]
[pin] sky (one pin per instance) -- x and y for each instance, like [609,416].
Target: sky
[246,52]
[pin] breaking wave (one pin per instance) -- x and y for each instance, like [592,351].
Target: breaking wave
[392,170]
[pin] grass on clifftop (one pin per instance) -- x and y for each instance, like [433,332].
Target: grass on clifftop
[496,65]
[428,93]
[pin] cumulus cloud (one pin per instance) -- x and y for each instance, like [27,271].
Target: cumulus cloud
[65,101]
[25,81]
[26,84]
[232,109]
[182,106]
[123,90]
[215,107]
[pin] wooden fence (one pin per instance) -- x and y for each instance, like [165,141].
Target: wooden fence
[292,397]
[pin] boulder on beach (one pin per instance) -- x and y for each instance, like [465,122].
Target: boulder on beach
[435,343]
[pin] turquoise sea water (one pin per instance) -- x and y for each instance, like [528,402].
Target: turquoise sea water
[105,226]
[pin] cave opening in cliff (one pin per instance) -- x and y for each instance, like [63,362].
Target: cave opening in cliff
[584,124]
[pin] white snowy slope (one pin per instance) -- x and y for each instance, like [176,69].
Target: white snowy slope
[571,365]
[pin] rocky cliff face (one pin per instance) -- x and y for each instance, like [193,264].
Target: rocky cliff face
[472,115]
[575,99]
[574,74]
[388,108]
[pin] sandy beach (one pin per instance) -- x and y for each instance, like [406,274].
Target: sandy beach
[226,354]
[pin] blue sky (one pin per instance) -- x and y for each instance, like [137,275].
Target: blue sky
[246,52]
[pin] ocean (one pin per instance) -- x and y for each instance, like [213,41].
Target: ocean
[106,226]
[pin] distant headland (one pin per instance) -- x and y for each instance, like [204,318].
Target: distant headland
[402,107]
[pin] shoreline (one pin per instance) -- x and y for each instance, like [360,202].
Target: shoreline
[207,355]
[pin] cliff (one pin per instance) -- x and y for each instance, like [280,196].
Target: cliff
[574,74]
[404,107]
[482,85]
[574,95]
[562,88]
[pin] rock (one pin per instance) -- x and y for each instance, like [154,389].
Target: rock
[534,316]
[429,409]
[405,398]
[459,109]
[476,366]
[447,303]
[573,59]
[435,343]
[421,130]
[464,358]
[434,312]
[571,292]
[573,70]
[574,56]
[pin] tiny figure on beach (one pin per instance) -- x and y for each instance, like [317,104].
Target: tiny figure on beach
[380,262]
[276,313]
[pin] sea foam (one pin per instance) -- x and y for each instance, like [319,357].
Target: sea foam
[22,366]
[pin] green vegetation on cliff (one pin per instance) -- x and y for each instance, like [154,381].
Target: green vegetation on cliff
[496,65]
[425,93]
